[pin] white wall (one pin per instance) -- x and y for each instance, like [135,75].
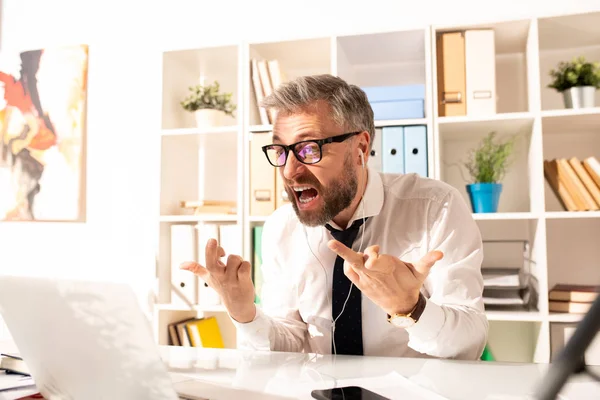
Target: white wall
[125,39]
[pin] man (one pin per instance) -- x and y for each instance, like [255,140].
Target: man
[360,262]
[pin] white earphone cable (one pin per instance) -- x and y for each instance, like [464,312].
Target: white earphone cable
[360,249]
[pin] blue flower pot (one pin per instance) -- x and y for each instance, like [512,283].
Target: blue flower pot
[484,196]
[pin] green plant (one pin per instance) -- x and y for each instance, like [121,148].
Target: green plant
[490,160]
[577,72]
[208,97]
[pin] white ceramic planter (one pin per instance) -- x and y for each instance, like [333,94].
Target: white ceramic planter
[208,118]
[579,97]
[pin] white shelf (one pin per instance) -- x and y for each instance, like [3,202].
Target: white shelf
[503,216]
[257,218]
[378,124]
[465,127]
[197,131]
[571,112]
[568,31]
[292,55]
[384,58]
[511,36]
[261,128]
[199,218]
[383,48]
[174,307]
[293,60]
[572,214]
[185,68]
[565,317]
[563,38]
[457,136]
[400,122]
[571,121]
[466,119]
[532,316]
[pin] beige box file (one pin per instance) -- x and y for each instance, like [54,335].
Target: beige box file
[281,197]
[184,290]
[451,83]
[262,176]
[480,67]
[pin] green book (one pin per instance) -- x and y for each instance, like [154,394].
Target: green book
[257,262]
[487,354]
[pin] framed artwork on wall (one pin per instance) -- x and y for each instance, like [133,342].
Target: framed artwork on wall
[43,97]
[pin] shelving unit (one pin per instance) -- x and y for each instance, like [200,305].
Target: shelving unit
[572,250]
[215,163]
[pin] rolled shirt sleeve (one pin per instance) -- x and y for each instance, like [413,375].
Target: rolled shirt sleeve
[453,324]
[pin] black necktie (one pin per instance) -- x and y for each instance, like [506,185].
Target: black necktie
[348,327]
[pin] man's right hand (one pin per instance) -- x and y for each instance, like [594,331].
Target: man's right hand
[232,281]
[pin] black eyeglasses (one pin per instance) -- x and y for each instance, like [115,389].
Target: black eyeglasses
[306,151]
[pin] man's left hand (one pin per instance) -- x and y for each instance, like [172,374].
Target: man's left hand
[389,282]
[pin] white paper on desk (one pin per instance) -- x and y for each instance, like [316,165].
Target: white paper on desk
[14,381]
[392,386]
[587,390]
[580,391]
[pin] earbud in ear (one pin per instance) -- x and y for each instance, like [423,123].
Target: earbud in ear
[362,158]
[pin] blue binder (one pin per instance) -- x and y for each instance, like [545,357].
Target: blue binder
[392,142]
[376,151]
[415,150]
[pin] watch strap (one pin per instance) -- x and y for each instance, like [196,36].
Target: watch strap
[417,310]
[419,307]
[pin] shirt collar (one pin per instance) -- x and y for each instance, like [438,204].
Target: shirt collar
[372,199]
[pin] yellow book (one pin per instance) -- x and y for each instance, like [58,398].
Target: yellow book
[205,332]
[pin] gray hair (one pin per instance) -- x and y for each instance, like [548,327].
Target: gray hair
[349,104]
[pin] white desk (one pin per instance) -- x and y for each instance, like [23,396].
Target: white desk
[295,375]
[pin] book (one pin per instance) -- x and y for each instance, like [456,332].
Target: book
[205,332]
[590,204]
[13,363]
[574,185]
[569,307]
[592,166]
[558,186]
[574,293]
[210,206]
[586,179]
[259,92]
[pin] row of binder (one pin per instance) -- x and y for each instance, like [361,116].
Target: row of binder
[466,73]
[400,150]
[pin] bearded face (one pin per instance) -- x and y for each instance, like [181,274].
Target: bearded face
[316,202]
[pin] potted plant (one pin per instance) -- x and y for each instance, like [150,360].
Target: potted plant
[208,104]
[487,165]
[578,81]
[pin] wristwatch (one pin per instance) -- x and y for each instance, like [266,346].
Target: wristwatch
[408,320]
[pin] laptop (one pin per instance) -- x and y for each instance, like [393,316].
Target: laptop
[90,340]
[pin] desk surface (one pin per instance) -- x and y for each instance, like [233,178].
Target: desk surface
[295,375]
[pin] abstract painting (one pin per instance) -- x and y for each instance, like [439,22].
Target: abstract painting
[43,96]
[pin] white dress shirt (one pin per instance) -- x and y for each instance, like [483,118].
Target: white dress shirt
[408,216]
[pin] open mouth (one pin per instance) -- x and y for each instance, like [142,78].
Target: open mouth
[305,194]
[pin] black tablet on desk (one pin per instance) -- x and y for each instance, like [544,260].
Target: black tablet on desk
[346,393]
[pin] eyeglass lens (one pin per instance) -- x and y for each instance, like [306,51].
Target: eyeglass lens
[308,153]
